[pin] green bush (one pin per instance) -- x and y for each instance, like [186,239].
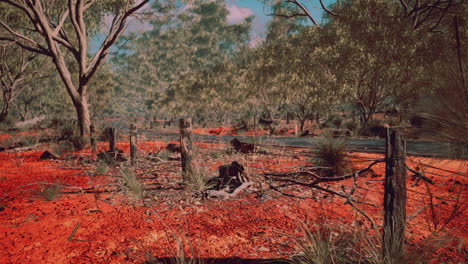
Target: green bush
[333,120]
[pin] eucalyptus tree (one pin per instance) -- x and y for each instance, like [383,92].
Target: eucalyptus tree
[18,70]
[178,64]
[60,28]
[380,54]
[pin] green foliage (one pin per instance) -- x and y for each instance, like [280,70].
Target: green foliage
[50,192]
[330,153]
[181,61]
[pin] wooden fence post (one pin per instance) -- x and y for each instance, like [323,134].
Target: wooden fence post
[185,125]
[394,195]
[133,144]
[112,139]
[92,134]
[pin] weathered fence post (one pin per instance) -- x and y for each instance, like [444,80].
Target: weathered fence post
[92,133]
[394,195]
[133,144]
[112,139]
[185,125]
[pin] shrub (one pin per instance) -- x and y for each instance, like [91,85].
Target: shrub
[333,120]
[351,125]
[331,153]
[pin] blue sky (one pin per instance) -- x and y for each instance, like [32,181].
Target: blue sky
[258,9]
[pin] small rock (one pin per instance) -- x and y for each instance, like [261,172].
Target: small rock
[263,249]
[49,155]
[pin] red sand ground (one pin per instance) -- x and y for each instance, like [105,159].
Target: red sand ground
[33,230]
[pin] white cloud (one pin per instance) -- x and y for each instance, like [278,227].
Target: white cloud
[237,13]
[256,41]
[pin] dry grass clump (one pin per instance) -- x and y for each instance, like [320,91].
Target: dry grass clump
[330,153]
[132,185]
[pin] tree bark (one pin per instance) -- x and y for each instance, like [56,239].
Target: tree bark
[394,196]
[185,125]
[84,120]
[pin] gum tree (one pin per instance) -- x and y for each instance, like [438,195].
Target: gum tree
[60,28]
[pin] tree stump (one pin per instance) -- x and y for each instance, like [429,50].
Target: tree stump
[394,196]
[185,125]
[133,144]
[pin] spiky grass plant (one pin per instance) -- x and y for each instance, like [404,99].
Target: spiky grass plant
[102,168]
[131,184]
[445,112]
[197,180]
[50,192]
[324,244]
[180,257]
[331,153]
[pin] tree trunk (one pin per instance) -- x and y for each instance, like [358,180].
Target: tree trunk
[302,121]
[394,196]
[6,105]
[82,111]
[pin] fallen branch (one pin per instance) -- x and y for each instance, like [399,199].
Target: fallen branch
[225,195]
[420,177]
[319,179]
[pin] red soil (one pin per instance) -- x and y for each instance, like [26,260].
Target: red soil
[33,230]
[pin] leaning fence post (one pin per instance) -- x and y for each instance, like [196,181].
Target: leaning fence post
[133,144]
[394,195]
[185,125]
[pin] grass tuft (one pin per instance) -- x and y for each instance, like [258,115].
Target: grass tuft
[131,184]
[331,153]
[50,192]
[198,180]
